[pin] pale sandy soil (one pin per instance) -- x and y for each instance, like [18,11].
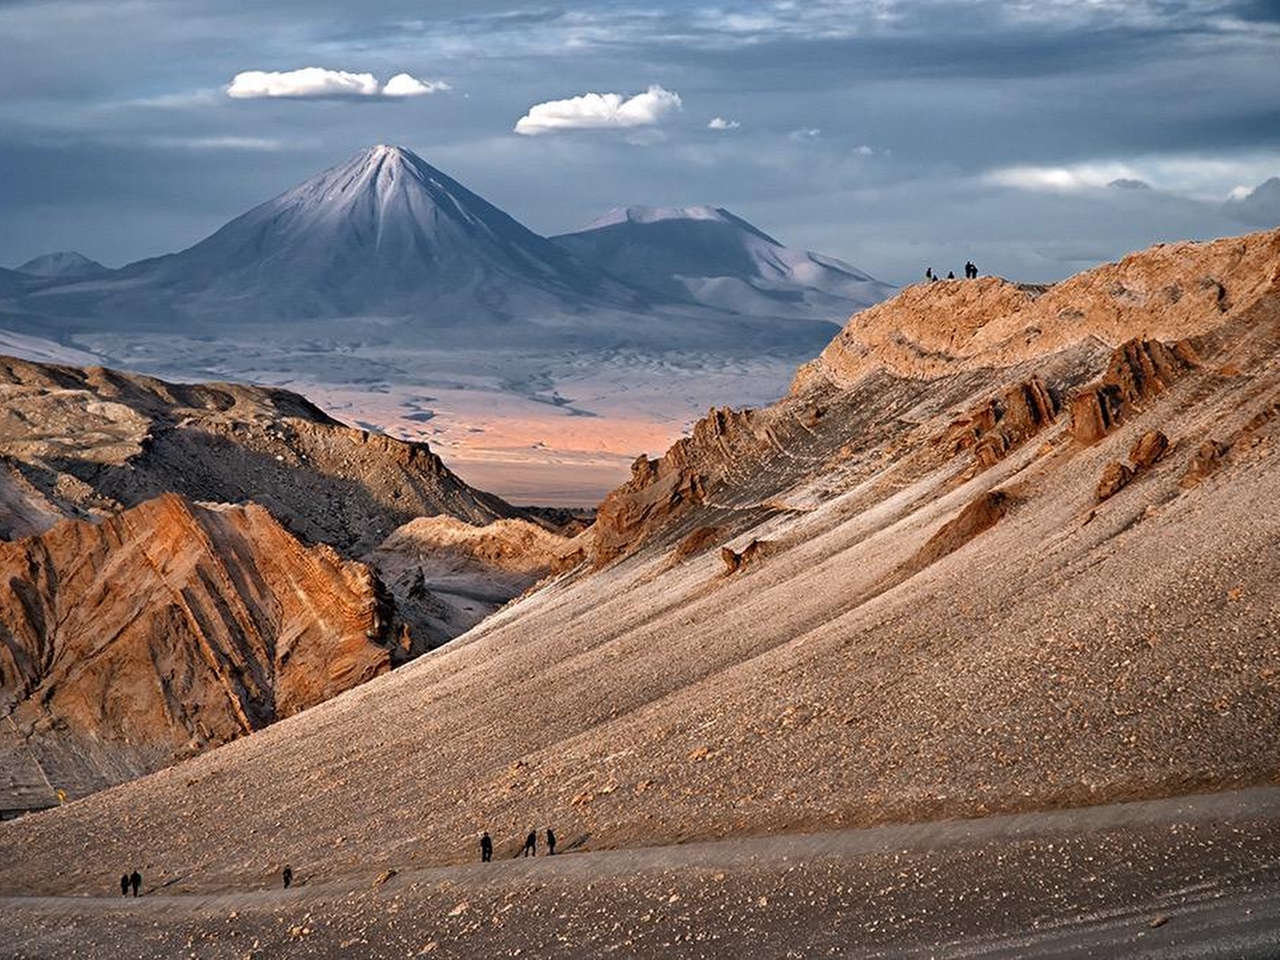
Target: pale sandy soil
[1196,877]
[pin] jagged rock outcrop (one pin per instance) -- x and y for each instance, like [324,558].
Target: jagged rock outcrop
[998,425]
[752,553]
[1149,450]
[661,490]
[1139,370]
[978,516]
[167,629]
[93,441]
[1115,477]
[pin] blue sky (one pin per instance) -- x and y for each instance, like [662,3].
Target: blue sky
[1036,138]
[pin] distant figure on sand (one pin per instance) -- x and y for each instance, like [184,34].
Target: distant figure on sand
[551,843]
[970,270]
[287,875]
[928,274]
[486,847]
[951,274]
[135,882]
[124,884]
[530,845]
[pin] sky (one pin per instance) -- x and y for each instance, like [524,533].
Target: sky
[1036,137]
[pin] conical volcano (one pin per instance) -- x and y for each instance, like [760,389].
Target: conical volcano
[384,233]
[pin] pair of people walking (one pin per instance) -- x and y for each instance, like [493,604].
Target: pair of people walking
[530,848]
[130,881]
[531,843]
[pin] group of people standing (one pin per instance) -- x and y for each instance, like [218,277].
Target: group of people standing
[130,881]
[970,273]
[530,848]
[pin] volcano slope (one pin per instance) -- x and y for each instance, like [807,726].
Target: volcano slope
[938,617]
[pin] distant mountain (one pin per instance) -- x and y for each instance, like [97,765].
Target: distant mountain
[12,282]
[63,265]
[1260,207]
[718,260]
[384,234]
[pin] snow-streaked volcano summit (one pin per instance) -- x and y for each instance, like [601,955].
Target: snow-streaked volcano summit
[720,260]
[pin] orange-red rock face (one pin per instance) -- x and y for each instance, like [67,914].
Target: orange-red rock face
[169,628]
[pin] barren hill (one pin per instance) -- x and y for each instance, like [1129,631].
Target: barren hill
[999,549]
[89,441]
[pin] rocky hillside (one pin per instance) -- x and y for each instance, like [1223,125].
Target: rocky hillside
[167,629]
[1001,548]
[955,375]
[141,623]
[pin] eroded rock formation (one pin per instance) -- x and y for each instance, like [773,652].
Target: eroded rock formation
[169,628]
[1138,371]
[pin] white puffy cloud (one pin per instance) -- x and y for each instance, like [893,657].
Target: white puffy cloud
[720,123]
[317,83]
[807,133]
[597,110]
[404,85]
[307,82]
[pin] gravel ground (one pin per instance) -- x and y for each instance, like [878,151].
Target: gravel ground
[1193,877]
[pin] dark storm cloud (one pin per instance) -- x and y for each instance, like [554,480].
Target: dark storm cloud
[992,126]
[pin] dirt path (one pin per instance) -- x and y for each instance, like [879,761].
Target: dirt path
[1194,877]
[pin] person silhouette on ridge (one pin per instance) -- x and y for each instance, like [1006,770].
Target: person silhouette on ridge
[135,882]
[551,843]
[287,875]
[124,884]
[486,847]
[530,848]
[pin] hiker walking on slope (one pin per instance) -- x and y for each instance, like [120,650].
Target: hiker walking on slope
[124,884]
[287,875]
[530,848]
[551,843]
[486,847]
[135,882]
